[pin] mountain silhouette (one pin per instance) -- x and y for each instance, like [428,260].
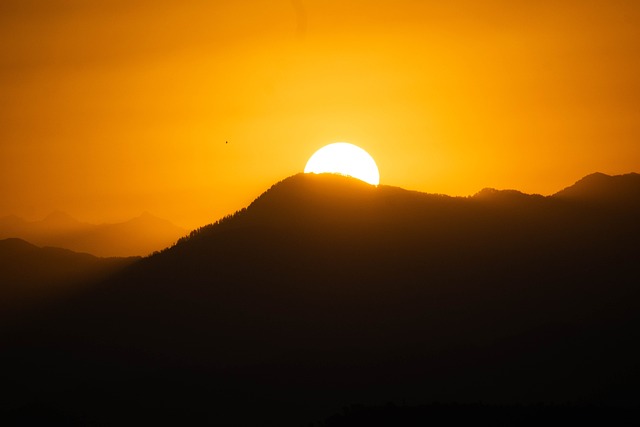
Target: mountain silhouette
[139,236]
[327,291]
[31,275]
[600,188]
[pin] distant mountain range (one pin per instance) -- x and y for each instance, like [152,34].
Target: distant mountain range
[139,236]
[327,291]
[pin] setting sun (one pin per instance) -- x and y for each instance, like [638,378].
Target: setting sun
[344,159]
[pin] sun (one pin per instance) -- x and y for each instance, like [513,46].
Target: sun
[344,159]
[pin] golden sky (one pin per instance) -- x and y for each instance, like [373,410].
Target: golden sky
[112,108]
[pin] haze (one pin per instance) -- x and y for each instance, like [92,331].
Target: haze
[110,108]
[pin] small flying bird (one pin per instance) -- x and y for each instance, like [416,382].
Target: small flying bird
[226,142]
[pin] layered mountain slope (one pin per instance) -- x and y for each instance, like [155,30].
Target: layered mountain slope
[31,276]
[326,291]
[604,189]
[139,236]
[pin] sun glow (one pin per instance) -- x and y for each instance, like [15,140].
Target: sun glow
[344,159]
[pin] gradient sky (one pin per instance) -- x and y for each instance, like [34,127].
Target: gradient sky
[112,108]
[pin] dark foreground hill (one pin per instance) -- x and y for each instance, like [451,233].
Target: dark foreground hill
[327,291]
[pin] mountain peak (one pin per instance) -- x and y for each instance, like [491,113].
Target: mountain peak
[604,188]
[59,217]
[143,217]
[15,245]
[308,192]
[492,193]
[148,219]
[312,183]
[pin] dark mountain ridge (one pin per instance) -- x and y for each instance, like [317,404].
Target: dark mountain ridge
[31,276]
[601,188]
[326,291]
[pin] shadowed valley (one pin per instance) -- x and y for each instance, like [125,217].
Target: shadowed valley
[326,291]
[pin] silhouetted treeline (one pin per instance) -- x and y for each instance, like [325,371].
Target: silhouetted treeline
[216,226]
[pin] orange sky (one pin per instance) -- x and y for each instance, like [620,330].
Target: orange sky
[110,109]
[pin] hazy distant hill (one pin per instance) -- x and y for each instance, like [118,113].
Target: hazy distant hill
[326,291]
[49,228]
[139,236]
[30,275]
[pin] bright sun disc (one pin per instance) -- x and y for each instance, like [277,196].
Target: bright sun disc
[344,159]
